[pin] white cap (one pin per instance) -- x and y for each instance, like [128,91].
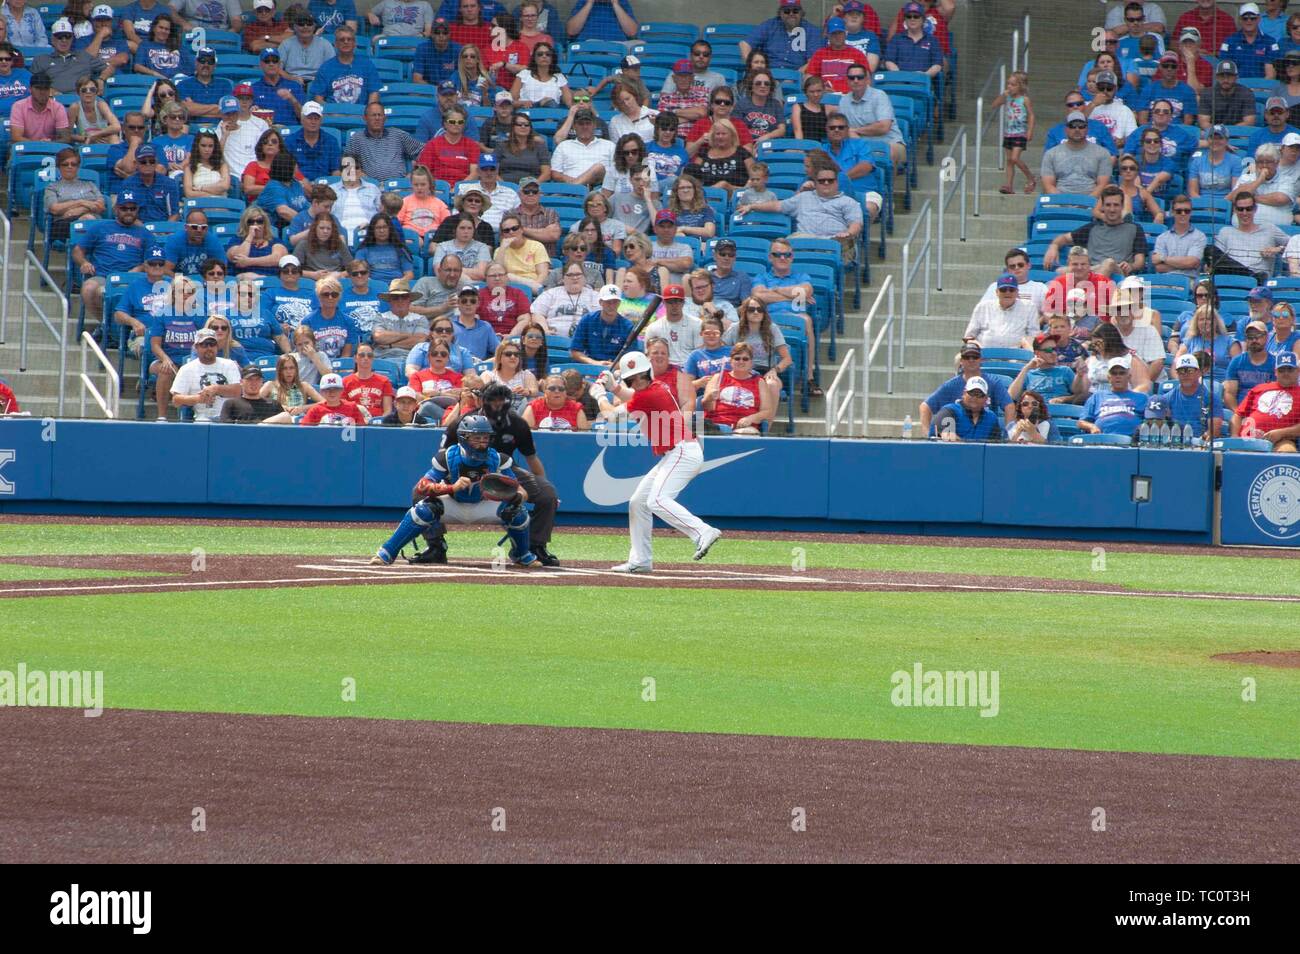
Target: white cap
[503,96]
[977,384]
[1133,281]
[1186,361]
[1120,362]
[290,260]
[1291,139]
[1248,8]
[632,364]
[259,4]
[610,293]
[61,25]
[408,392]
[1076,294]
[313,108]
[328,381]
[102,10]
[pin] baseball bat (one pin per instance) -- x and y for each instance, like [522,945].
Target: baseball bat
[646,317]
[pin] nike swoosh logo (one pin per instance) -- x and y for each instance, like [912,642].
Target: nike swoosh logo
[606,491]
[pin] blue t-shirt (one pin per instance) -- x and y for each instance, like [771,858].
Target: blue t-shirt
[1215,179]
[1129,48]
[1115,412]
[275,194]
[865,42]
[460,359]
[434,66]
[266,96]
[363,308]
[15,86]
[172,150]
[256,332]
[987,428]
[850,153]
[1177,141]
[768,280]
[789,51]
[1182,98]
[1193,409]
[602,23]
[161,59]
[1288,344]
[598,339]
[331,16]
[333,334]
[386,262]
[141,18]
[177,333]
[1248,374]
[1251,56]
[735,288]
[951,391]
[480,341]
[289,307]
[705,361]
[114,248]
[142,300]
[911,55]
[1263,134]
[1220,348]
[116,152]
[315,162]
[188,258]
[159,201]
[1147,171]
[208,94]
[1050,382]
[667,162]
[336,82]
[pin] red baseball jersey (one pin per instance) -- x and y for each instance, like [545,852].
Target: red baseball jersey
[548,419]
[345,413]
[736,399]
[430,382]
[369,392]
[1269,407]
[833,66]
[663,423]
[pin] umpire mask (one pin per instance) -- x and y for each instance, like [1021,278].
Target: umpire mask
[496,403]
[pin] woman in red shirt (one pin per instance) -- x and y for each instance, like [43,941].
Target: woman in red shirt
[678,382]
[554,410]
[258,172]
[499,304]
[439,386]
[736,400]
[514,53]
[365,388]
[451,156]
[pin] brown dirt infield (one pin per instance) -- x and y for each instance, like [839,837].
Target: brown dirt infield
[1285,659]
[123,787]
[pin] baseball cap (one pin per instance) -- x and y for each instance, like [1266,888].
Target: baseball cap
[1292,56]
[127,197]
[629,60]
[1291,139]
[971,349]
[977,384]
[440,25]
[1076,117]
[251,371]
[1284,359]
[406,391]
[244,89]
[229,105]
[913,8]
[1157,409]
[1122,361]
[290,260]
[1169,58]
[674,293]
[527,181]
[42,80]
[313,108]
[584,114]
[146,152]
[1275,102]
[156,254]
[1248,8]
[1189,33]
[1106,76]
[610,293]
[1226,68]
[1007,280]
[1260,293]
[270,53]
[1257,326]
[259,4]
[487,161]
[207,53]
[785,4]
[446,86]
[61,25]
[1076,294]
[683,66]
[1040,340]
[1132,281]
[503,96]
[1186,361]
[854,6]
[665,215]
[726,244]
[836,25]
[207,334]
[467,289]
[102,12]
[329,381]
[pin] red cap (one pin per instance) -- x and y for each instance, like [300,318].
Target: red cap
[243,89]
[674,293]
[683,66]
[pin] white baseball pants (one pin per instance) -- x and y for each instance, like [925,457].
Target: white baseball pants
[656,496]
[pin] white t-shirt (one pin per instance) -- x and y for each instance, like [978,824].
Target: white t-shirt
[995,327]
[1145,340]
[1032,292]
[572,158]
[643,125]
[683,337]
[239,147]
[194,376]
[502,199]
[534,90]
[562,310]
[1116,117]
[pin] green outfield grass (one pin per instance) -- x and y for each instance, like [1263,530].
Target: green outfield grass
[17,572]
[1143,571]
[1099,673]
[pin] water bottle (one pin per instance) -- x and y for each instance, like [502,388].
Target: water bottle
[1176,437]
[1164,434]
[907,428]
[1144,434]
[1189,439]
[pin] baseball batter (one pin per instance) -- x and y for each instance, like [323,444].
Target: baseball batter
[654,407]
[450,492]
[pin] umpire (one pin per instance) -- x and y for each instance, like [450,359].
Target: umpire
[511,433]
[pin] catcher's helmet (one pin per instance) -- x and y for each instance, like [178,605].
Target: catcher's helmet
[632,364]
[474,435]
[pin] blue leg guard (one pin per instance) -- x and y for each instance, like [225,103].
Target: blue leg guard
[418,519]
[516,520]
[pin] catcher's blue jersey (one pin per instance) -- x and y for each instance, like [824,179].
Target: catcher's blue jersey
[449,465]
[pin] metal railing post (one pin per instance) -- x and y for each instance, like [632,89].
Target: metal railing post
[4,282]
[112,406]
[1015,50]
[871,347]
[33,307]
[1025,58]
[923,217]
[951,172]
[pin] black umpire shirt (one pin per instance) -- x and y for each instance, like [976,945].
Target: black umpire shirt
[515,435]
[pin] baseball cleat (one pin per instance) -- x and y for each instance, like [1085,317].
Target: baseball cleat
[546,556]
[707,539]
[528,559]
[632,568]
[378,560]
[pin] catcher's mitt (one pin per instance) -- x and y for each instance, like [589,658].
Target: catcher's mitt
[499,487]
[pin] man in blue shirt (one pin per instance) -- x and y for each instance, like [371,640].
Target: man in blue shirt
[601,20]
[276,92]
[1167,85]
[970,418]
[1044,374]
[1252,51]
[347,78]
[436,58]
[1253,366]
[729,283]
[912,48]
[1189,403]
[1117,411]
[477,337]
[996,386]
[853,156]
[293,299]
[600,334]
[201,94]
[144,295]
[317,152]
[187,250]
[110,245]
[1275,126]
[160,196]
[430,123]
[1097,133]
[788,39]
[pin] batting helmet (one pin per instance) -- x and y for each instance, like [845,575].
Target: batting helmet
[474,435]
[632,364]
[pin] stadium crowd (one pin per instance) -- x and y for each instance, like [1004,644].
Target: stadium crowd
[1155,298]
[320,216]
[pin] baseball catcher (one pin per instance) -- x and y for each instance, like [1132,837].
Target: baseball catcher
[469,482]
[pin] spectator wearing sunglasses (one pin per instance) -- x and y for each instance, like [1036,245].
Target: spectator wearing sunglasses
[1179,249]
[1033,423]
[788,38]
[436,58]
[1167,86]
[1110,111]
[1177,140]
[1096,133]
[1044,375]
[1076,165]
[912,48]
[1251,49]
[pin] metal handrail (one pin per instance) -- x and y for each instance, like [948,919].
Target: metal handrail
[887,289]
[950,171]
[4,281]
[834,411]
[60,334]
[111,380]
[1019,52]
[981,126]
[923,217]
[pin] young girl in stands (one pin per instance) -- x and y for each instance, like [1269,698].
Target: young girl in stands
[422,210]
[1018,131]
[385,251]
[90,117]
[288,389]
